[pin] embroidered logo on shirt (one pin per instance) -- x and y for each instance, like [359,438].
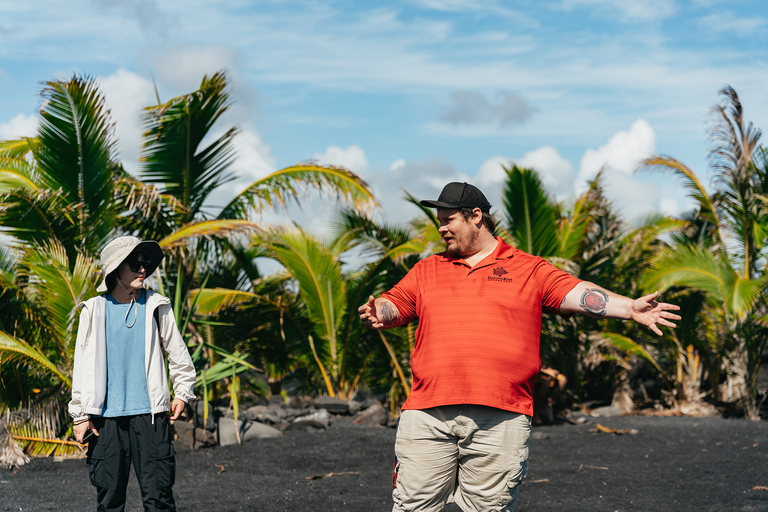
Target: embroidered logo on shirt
[498,273]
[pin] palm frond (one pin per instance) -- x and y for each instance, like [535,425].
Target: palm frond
[288,184]
[172,154]
[150,213]
[319,277]
[706,206]
[629,346]
[23,352]
[208,229]
[693,267]
[428,212]
[212,301]
[16,172]
[35,216]
[530,213]
[18,148]
[57,290]
[733,139]
[573,228]
[75,154]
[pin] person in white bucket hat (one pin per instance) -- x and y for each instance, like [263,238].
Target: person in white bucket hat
[121,404]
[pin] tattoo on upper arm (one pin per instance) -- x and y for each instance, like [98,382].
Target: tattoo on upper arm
[594,301]
[388,314]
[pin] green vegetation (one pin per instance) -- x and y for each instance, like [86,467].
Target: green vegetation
[63,196]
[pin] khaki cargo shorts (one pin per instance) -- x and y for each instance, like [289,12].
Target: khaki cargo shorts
[472,455]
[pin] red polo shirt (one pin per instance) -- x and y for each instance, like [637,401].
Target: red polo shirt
[479,328]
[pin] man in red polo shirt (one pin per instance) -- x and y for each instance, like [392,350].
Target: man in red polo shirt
[463,432]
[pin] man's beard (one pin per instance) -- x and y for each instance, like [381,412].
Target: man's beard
[460,249]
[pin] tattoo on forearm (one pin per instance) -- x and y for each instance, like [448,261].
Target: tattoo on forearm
[388,314]
[594,301]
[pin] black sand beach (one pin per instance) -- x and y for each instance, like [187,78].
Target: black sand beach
[671,464]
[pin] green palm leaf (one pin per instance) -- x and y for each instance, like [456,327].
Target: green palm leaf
[22,351]
[56,290]
[697,268]
[74,154]
[213,300]
[287,184]
[530,213]
[318,274]
[36,216]
[210,228]
[15,170]
[691,182]
[630,347]
[173,156]
[573,229]
[18,148]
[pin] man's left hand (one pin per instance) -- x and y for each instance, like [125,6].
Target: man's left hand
[648,312]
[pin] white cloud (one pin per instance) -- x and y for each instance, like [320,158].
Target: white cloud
[253,161]
[452,5]
[352,158]
[727,22]
[19,126]
[183,67]
[620,157]
[628,10]
[632,197]
[423,180]
[669,206]
[471,108]
[556,172]
[491,171]
[623,152]
[397,164]
[126,94]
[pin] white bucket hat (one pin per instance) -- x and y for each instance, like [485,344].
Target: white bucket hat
[120,248]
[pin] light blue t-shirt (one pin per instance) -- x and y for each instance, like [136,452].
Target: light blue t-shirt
[127,393]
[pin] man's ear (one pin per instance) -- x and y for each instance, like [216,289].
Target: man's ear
[477,216]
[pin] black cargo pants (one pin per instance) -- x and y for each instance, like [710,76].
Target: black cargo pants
[133,439]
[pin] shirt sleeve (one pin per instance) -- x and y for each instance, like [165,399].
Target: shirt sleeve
[405,294]
[555,285]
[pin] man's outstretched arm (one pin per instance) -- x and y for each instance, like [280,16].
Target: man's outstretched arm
[379,314]
[589,299]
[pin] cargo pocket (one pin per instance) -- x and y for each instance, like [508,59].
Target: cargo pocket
[515,476]
[164,454]
[97,467]
[166,465]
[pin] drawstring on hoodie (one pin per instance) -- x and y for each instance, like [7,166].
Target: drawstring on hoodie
[131,307]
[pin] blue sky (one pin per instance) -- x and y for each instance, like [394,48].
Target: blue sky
[412,94]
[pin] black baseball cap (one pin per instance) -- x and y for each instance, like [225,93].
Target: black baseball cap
[460,195]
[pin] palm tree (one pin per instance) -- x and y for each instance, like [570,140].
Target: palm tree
[56,202]
[589,240]
[720,258]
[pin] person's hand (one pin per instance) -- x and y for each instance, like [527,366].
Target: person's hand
[177,407]
[82,428]
[648,312]
[368,314]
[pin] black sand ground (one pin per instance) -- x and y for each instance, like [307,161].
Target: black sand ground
[671,464]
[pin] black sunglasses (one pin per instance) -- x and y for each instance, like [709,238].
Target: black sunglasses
[136,264]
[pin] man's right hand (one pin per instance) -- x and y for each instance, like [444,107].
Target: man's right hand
[379,314]
[81,428]
[368,314]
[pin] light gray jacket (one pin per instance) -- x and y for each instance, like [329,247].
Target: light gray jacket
[89,378]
